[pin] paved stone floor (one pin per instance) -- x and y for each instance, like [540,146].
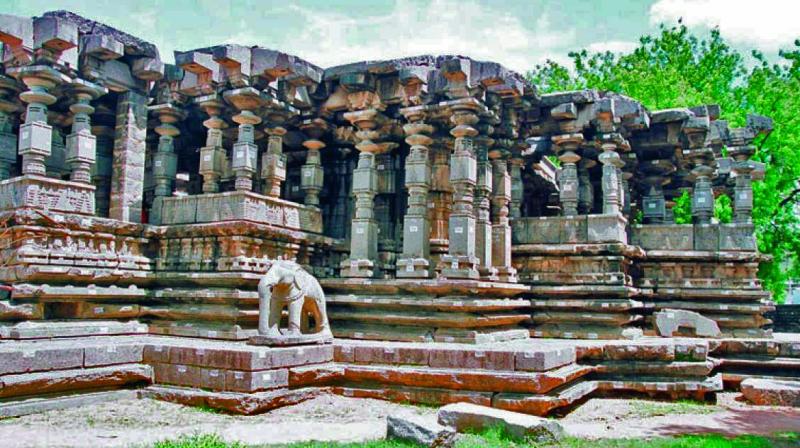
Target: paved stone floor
[333,418]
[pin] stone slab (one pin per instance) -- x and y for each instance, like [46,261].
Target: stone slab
[467,417]
[38,405]
[771,392]
[420,430]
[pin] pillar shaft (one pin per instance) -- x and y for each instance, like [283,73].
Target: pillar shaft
[517,187]
[273,163]
[127,179]
[566,147]
[212,155]
[501,230]
[312,175]
[8,145]
[364,233]
[35,135]
[415,261]
[482,206]
[611,179]
[461,261]
[81,144]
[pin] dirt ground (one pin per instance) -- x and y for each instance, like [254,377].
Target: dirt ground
[333,418]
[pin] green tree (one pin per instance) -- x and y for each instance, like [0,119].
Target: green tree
[676,68]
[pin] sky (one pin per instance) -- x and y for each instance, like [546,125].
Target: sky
[517,33]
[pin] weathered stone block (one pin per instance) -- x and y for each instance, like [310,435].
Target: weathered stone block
[706,237]
[466,417]
[35,138]
[421,430]
[769,392]
[472,359]
[606,228]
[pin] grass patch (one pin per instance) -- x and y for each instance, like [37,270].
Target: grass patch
[496,437]
[641,408]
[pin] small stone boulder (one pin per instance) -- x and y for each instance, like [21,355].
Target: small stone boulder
[767,392]
[471,417]
[420,429]
[669,322]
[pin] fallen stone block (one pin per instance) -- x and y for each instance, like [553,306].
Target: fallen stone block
[769,392]
[669,322]
[470,417]
[31,384]
[420,429]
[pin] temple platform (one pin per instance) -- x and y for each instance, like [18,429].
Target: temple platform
[441,310]
[535,376]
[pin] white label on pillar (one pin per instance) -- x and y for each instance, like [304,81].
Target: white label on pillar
[99,310]
[701,200]
[454,265]
[413,229]
[239,154]
[360,231]
[409,267]
[158,163]
[742,195]
[459,230]
[307,174]
[207,158]
[651,205]
[381,167]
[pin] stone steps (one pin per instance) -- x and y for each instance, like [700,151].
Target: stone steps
[561,398]
[660,387]
[60,381]
[461,379]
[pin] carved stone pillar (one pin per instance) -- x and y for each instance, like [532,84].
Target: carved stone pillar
[415,260]
[741,150]
[440,200]
[501,230]
[101,170]
[611,179]
[273,163]
[516,163]
[703,195]
[566,147]
[245,151]
[8,141]
[655,177]
[212,155]
[364,234]
[35,136]
[585,187]
[127,178]
[461,261]
[81,144]
[312,175]
[482,205]
[165,161]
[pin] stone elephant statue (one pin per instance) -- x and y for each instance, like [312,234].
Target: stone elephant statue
[287,284]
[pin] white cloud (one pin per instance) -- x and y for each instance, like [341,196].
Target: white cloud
[439,27]
[614,46]
[764,24]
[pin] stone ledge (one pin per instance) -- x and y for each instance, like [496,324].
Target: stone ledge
[47,194]
[237,205]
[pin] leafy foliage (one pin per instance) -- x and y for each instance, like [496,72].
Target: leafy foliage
[683,208]
[676,68]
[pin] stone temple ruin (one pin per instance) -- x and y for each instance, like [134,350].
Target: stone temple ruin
[457,220]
